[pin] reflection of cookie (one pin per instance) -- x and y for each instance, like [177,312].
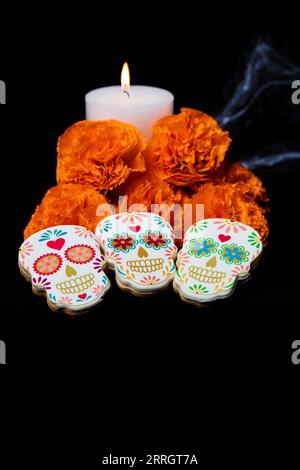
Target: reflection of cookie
[215,253]
[65,264]
[140,247]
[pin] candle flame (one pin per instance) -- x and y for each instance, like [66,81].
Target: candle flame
[125,78]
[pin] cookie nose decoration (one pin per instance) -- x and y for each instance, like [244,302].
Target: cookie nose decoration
[70,271]
[212,263]
[142,253]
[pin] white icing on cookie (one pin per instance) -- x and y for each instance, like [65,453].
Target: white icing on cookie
[140,247]
[65,264]
[215,253]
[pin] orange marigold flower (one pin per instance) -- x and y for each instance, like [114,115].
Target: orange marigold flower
[245,181]
[226,201]
[100,153]
[186,148]
[70,204]
[147,190]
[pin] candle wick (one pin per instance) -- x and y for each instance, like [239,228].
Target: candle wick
[126,93]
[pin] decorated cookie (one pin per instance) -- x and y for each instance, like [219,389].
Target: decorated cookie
[140,247]
[65,264]
[215,253]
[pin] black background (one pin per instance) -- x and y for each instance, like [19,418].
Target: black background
[140,374]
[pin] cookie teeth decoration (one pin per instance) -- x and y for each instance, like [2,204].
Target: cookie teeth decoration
[140,247]
[215,253]
[65,264]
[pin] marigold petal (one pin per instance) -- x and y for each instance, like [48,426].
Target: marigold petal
[245,181]
[100,153]
[186,148]
[68,204]
[226,201]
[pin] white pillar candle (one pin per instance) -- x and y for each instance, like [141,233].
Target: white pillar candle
[137,105]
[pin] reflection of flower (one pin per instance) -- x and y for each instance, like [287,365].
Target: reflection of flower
[47,264]
[26,249]
[80,254]
[233,254]
[241,269]
[84,232]
[122,242]
[150,280]
[228,225]
[65,299]
[41,283]
[254,240]
[98,263]
[198,289]
[202,247]
[183,258]
[98,289]
[155,240]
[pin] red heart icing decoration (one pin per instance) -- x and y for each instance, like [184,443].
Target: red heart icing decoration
[57,244]
[82,296]
[224,238]
[135,229]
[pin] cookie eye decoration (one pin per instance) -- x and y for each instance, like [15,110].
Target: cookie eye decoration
[234,254]
[80,254]
[139,247]
[202,247]
[122,242]
[47,264]
[155,239]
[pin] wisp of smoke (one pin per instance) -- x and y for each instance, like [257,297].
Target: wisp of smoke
[265,69]
[266,72]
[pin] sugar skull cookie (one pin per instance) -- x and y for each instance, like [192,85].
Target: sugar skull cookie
[65,264]
[140,247]
[215,253]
